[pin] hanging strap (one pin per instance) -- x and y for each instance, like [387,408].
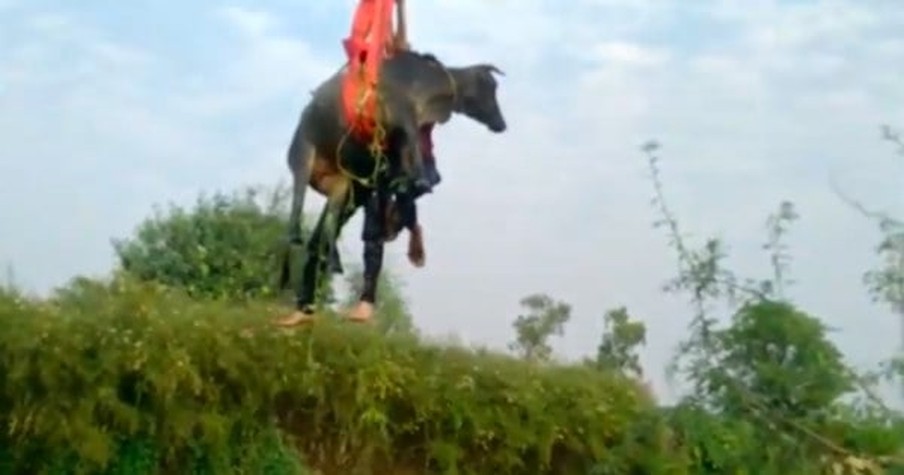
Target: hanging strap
[401,34]
[366,48]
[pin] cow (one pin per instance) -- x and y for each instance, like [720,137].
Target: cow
[415,90]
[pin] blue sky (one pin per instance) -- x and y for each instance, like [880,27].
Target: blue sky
[108,109]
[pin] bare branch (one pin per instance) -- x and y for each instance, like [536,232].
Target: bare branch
[857,205]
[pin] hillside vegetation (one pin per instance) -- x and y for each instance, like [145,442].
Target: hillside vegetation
[134,378]
[171,365]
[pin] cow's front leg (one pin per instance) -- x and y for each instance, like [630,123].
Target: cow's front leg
[418,170]
[372,235]
[335,261]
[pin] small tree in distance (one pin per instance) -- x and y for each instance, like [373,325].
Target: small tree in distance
[621,338]
[544,319]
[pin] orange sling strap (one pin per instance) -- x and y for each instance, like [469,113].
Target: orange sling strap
[366,48]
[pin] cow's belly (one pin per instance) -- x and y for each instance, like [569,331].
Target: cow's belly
[325,176]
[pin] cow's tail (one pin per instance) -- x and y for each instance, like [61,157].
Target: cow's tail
[300,155]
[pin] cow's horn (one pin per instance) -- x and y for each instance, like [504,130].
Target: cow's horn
[493,68]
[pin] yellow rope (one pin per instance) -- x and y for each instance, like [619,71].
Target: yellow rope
[377,141]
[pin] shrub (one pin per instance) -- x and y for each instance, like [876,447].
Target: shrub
[225,246]
[125,377]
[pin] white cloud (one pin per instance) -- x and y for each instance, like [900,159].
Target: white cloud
[251,22]
[267,65]
[629,54]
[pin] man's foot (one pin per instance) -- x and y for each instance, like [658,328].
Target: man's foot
[297,317]
[416,254]
[362,312]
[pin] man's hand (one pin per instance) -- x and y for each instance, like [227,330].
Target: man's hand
[400,43]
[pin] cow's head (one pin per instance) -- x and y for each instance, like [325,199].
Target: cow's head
[476,91]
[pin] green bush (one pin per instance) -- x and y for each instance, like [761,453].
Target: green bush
[126,377]
[225,246]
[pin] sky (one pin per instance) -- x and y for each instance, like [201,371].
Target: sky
[108,109]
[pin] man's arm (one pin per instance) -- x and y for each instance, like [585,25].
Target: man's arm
[401,36]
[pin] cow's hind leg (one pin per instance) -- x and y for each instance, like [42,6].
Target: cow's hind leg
[301,156]
[417,173]
[315,276]
[306,290]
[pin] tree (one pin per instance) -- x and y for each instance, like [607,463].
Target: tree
[545,318]
[224,247]
[621,337]
[885,282]
[775,350]
[770,383]
[393,315]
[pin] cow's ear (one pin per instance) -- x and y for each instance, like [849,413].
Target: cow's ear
[493,69]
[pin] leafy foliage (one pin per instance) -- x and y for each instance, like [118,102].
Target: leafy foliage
[885,282]
[134,377]
[768,388]
[545,318]
[171,367]
[223,247]
[617,350]
[773,349]
[778,226]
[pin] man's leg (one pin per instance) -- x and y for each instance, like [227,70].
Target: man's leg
[405,216]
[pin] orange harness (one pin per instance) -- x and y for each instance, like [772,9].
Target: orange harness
[366,47]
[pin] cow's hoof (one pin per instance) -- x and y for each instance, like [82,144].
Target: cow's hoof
[335,265]
[295,319]
[295,238]
[416,254]
[363,312]
[422,186]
